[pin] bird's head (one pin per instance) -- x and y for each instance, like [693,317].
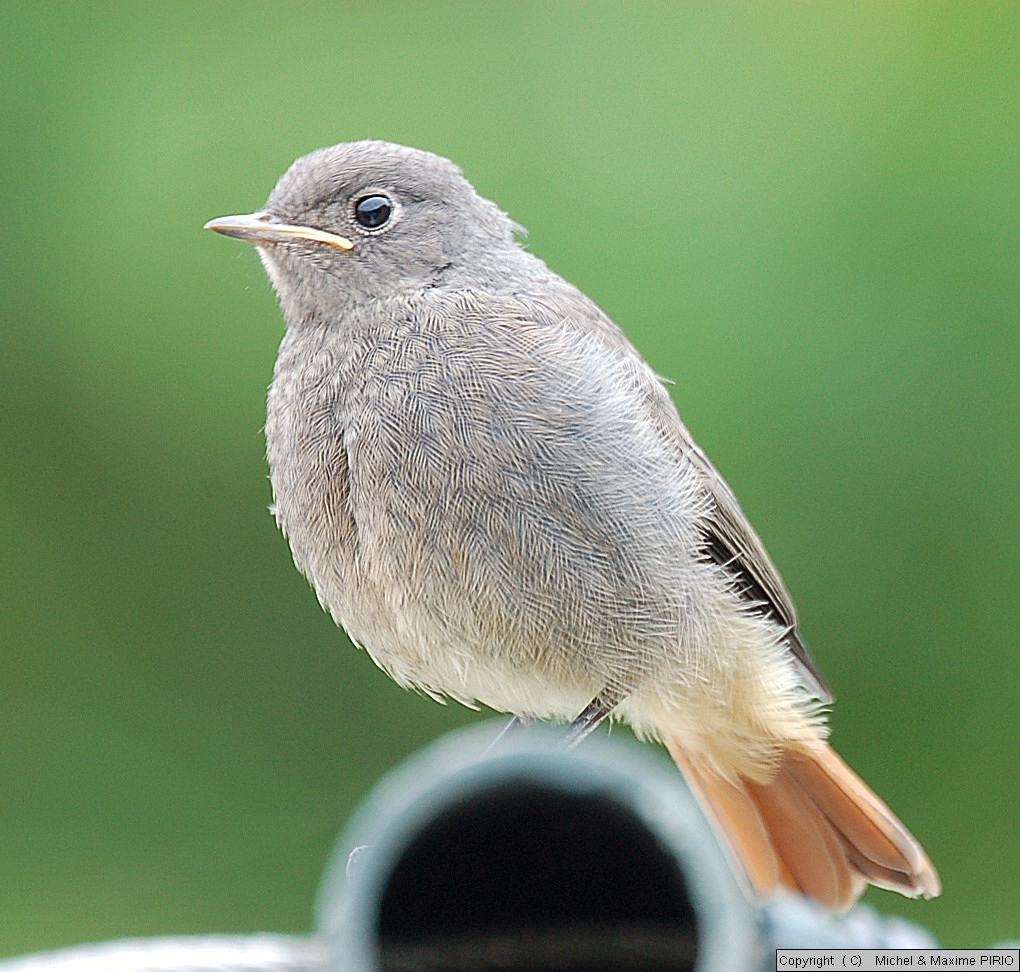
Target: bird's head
[362,221]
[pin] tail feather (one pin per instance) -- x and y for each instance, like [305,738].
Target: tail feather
[813,851]
[734,813]
[814,827]
[886,877]
[882,845]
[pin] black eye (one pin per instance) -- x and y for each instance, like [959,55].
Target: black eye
[372,211]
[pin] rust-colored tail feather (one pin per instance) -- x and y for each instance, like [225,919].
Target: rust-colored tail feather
[815,827]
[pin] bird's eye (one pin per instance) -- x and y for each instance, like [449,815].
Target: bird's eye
[372,211]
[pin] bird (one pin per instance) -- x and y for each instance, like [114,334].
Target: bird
[493,493]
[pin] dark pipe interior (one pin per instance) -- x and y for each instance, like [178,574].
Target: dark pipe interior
[526,877]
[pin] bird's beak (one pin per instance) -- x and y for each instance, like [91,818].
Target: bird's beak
[262,228]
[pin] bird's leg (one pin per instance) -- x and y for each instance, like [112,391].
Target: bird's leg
[588,721]
[508,732]
[580,729]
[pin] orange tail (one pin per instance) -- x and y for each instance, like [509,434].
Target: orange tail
[815,827]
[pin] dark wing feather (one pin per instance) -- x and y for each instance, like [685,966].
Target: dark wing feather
[732,543]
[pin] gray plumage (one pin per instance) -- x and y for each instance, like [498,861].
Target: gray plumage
[492,492]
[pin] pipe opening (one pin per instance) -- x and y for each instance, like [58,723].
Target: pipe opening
[526,877]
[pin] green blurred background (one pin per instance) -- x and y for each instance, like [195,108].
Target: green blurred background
[805,214]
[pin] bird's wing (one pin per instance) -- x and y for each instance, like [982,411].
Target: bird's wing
[731,541]
[733,544]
